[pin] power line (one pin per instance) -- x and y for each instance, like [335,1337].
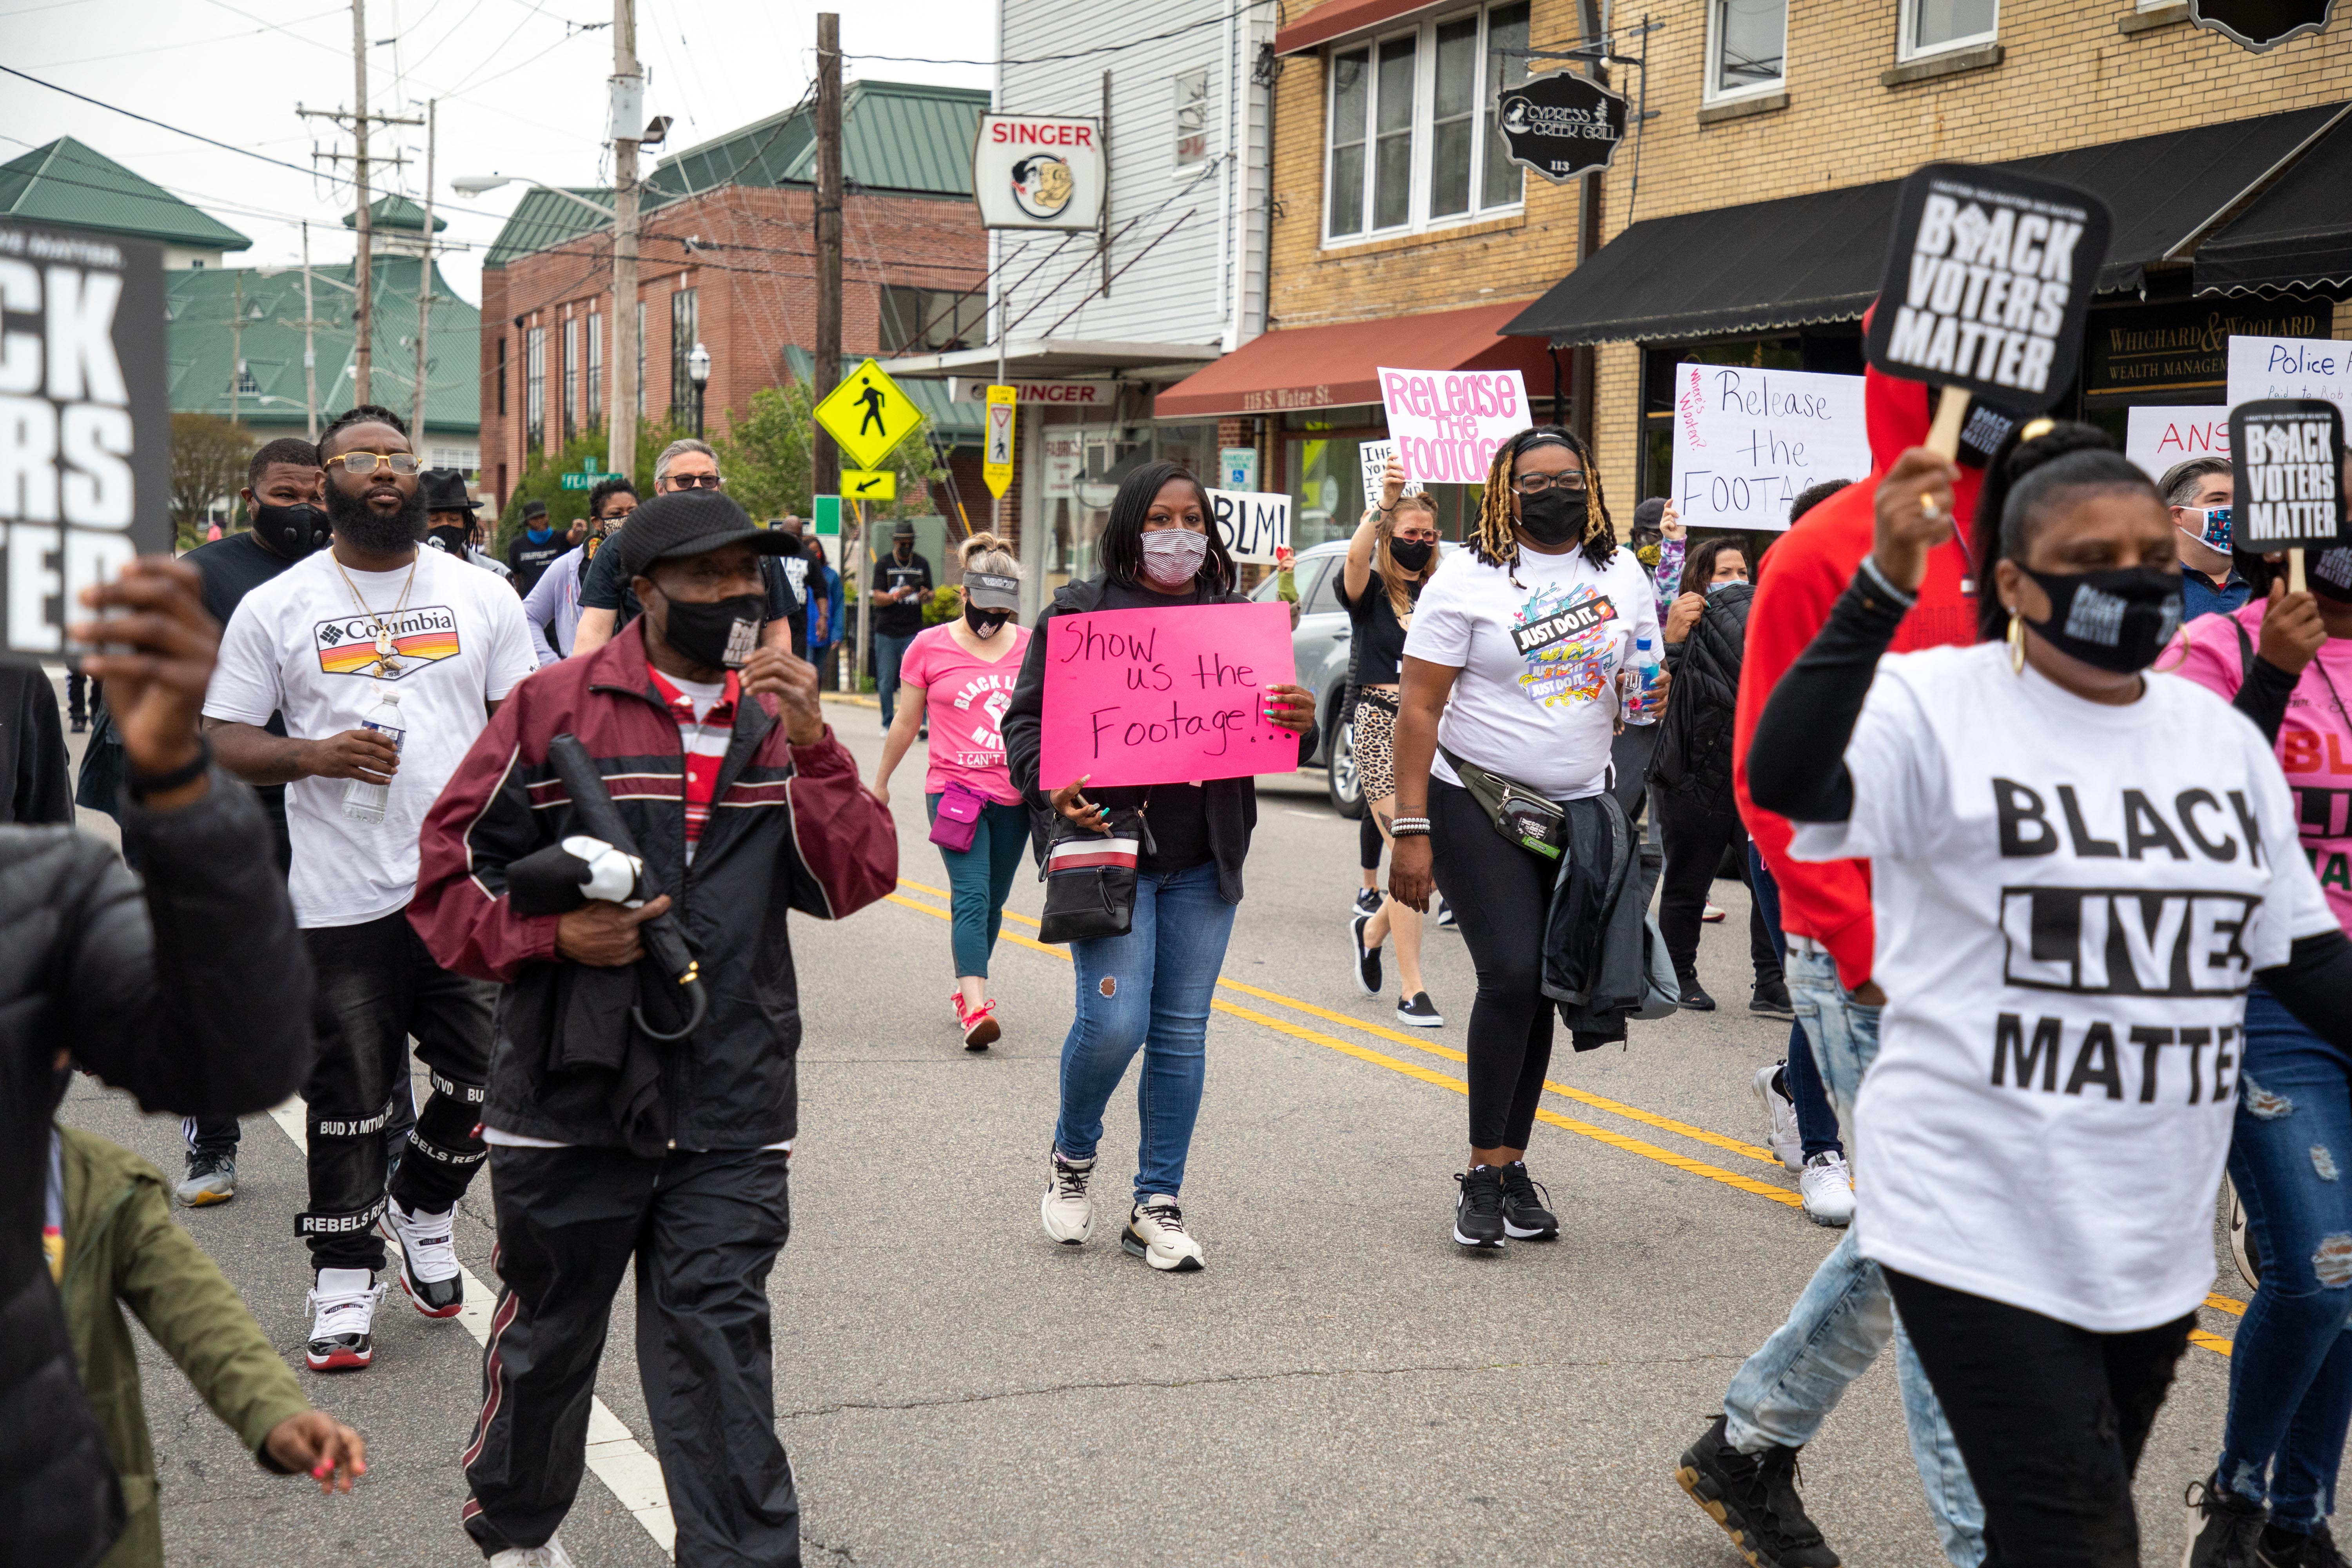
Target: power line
[1249,7]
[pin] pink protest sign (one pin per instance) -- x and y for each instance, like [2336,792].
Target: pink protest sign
[1174,696]
[1447,423]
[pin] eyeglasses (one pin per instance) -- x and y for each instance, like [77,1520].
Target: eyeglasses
[1536,484]
[365,462]
[696,481]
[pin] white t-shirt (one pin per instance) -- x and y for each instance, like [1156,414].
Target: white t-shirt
[300,645]
[2068,916]
[1538,696]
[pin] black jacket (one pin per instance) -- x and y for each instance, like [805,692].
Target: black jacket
[1231,804]
[1694,760]
[193,994]
[34,787]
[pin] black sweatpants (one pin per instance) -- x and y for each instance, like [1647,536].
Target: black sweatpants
[1501,897]
[2051,1419]
[1697,835]
[377,987]
[705,1229]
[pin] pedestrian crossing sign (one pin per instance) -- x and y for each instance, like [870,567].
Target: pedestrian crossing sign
[868,415]
[870,484]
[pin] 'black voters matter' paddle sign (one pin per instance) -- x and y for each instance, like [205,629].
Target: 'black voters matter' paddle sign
[2288,461]
[1988,280]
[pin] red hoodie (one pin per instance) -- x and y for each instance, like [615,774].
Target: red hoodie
[1829,901]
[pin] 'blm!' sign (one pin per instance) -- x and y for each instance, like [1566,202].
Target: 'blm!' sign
[1987,282]
[2288,454]
[84,425]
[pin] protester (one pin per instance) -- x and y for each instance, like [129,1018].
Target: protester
[607,1146]
[1658,540]
[902,584]
[535,549]
[959,676]
[35,786]
[794,566]
[1521,663]
[386,659]
[1371,843]
[552,608]
[1389,560]
[1742,1470]
[77,704]
[1148,990]
[2198,492]
[2030,813]
[827,629]
[128,978]
[453,525]
[2287,663]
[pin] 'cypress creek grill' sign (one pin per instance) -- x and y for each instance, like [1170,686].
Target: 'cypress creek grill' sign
[1561,125]
[2261,25]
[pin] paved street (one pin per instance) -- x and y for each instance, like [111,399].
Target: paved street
[1339,1386]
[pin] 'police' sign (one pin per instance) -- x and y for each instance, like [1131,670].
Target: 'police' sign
[85,427]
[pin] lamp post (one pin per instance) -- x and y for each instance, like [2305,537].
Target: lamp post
[698,371]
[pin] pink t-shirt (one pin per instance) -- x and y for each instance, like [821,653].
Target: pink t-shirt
[2314,744]
[965,700]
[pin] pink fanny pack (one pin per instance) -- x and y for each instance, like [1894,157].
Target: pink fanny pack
[958,817]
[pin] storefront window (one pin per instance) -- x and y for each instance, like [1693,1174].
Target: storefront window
[1192,447]
[1083,465]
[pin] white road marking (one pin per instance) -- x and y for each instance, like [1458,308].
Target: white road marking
[614,1456]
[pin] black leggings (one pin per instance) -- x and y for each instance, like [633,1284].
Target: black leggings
[1697,835]
[1500,896]
[1368,842]
[2051,1419]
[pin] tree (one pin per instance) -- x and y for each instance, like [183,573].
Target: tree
[542,478]
[768,465]
[208,462]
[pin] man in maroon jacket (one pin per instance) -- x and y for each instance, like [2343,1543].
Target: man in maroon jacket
[605,1141]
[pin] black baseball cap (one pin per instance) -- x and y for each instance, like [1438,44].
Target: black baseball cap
[445,490]
[534,508]
[690,523]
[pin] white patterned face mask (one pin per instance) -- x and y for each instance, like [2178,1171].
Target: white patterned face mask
[1172,556]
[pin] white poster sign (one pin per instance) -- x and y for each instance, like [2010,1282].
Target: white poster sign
[1253,523]
[1032,172]
[2261,369]
[2156,438]
[1374,456]
[1746,441]
[1447,423]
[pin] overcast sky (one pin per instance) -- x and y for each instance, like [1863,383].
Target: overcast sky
[521,91]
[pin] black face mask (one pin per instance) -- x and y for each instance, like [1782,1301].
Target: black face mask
[292,532]
[1554,518]
[2117,620]
[985,622]
[452,539]
[719,636]
[1412,554]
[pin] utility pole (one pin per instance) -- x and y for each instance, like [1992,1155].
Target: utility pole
[425,283]
[237,350]
[824,457]
[628,121]
[1583,357]
[310,342]
[363,268]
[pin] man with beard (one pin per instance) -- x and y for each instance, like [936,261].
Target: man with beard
[373,619]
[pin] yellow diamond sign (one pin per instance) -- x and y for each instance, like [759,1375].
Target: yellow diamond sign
[868,415]
[870,484]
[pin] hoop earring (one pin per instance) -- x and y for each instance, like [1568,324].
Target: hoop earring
[2016,643]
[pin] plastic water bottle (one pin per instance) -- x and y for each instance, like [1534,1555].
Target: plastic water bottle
[1639,674]
[363,801]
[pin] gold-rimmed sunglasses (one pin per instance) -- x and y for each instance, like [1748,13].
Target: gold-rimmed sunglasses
[364,463]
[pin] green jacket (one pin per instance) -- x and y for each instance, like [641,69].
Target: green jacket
[122,1245]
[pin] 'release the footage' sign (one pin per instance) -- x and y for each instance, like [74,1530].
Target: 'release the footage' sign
[1987,279]
[1747,441]
[85,423]
[1447,423]
[2286,456]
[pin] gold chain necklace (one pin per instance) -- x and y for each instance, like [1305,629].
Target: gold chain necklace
[386,664]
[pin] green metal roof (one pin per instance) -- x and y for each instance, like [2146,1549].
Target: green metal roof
[542,220]
[394,211]
[758,155]
[201,304]
[897,136]
[69,183]
[958,424]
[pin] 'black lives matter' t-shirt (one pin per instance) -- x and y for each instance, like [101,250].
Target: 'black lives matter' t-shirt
[902,620]
[233,566]
[2072,900]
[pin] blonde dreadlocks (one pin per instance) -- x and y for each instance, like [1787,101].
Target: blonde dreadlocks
[1496,540]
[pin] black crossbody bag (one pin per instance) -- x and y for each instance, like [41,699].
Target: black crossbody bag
[1519,812]
[1090,877]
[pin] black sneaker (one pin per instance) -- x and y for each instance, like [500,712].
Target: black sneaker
[1754,1497]
[1771,999]
[1479,1224]
[1446,916]
[1420,1012]
[211,1179]
[1524,1217]
[1368,902]
[2284,1549]
[1368,959]
[2224,1527]
[1694,998]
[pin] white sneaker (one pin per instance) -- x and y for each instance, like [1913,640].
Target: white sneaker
[1827,1188]
[429,1274]
[1066,1209]
[1155,1233]
[1712,912]
[342,1308]
[1780,1117]
[550,1555]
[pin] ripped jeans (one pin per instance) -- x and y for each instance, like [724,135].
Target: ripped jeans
[2290,1365]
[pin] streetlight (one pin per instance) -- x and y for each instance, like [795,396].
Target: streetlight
[698,371]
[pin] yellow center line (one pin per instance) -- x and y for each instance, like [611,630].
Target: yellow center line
[2229,1304]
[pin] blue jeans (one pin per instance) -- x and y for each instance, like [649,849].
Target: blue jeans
[2291,1366]
[889,653]
[981,877]
[1843,1319]
[1149,990]
[1817,1124]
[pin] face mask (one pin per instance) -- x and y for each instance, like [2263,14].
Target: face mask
[449,537]
[2117,620]
[2330,575]
[985,622]
[291,531]
[1714,588]
[2213,530]
[539,535]
[1172,557]
[1412,554]
[718,635]
[1554,518]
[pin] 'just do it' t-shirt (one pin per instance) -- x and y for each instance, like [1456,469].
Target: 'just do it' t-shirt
[2069,906]
[964,702]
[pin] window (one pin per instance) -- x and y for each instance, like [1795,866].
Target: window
[534,388]
[1191,118]
[1746,44]
[502,374]
[1413,140]
[570,378]
[595,398]
[1931,26]
[929,321]
[681,344]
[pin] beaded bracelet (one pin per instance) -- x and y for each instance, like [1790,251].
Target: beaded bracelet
[1408,826]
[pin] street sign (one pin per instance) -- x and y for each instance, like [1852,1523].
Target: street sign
[996,462]
[868,415]
[1561,124]
[583,481]
[2261,25]
[1237,467]
[827,521]
[870,484]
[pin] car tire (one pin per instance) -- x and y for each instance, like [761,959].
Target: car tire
[1344,783]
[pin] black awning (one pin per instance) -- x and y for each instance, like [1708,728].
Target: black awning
[1769,266]
[2295,236]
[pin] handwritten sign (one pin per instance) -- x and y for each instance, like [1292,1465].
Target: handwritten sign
[1375,455]
[1174,696]
[2265,368]
[2156,438]
[1253,523]
[1447,423]
[1746,441]
[2288,487]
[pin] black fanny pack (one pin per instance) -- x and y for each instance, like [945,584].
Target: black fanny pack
[1519,812]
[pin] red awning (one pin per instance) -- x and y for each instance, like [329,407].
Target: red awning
[1337,18]
[1331,367]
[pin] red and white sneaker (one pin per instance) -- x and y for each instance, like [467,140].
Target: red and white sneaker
[342,1305]
[978,1024]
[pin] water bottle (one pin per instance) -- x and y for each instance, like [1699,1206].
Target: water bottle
[1639,674]
[363,801]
